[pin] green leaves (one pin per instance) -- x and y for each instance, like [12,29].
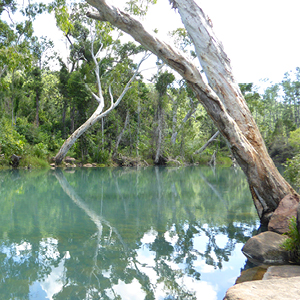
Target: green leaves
[63,21]
[163,82]
[9,5]
[292,243]
[139,7]
[11,142]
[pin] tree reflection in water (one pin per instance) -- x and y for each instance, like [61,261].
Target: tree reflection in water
[120,233]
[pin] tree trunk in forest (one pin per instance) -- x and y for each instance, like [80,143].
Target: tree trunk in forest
[102,133]
[186,117]
[72,116]
[221,97]
[138,128]
[64,119]
[37,103]
[159,132]
[121,133]
[174,118]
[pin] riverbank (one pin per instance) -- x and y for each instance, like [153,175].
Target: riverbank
[276,254]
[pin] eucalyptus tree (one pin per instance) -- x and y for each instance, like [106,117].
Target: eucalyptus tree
[221,96]
[96,48]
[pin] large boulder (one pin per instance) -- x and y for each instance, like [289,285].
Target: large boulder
[266,248]
[275,289]
[285,271]
[286,209]
[70,160]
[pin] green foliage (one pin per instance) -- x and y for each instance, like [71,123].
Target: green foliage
[292,169]
[280,150]
[11,142]
[10,5]
[63,19]
[294,139]
[32,133]
[40,150]
[100,156]
[29,161]
[139,7]
[163,82]
[292,243]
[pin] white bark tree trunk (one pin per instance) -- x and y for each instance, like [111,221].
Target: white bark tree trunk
[174,118]
[191,111]
[121,133]
[96,116]
[207,143]
[159,131]
[221,97]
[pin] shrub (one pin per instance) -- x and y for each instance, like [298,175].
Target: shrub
[294,139]
[40,150]
[292,243]
[11,142]
[292,170]
[34,162]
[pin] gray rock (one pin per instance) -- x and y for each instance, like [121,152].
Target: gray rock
[274,289]
[285,271]
[70,160]
[265,248]
[286,209]
[87,165]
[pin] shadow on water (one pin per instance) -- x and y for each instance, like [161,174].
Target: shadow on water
[123,233]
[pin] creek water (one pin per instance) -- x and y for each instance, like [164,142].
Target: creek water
[123,233]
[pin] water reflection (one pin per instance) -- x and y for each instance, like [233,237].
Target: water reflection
[153,233]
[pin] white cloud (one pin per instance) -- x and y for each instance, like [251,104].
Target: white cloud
[130,291]
[202,289]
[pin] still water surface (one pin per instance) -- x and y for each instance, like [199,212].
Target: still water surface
[123,233]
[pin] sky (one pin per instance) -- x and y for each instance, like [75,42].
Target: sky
[260,36]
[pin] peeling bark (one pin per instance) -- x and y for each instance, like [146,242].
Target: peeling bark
[221,97]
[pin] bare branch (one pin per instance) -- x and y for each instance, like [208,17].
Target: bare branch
[207,143]
[111,96]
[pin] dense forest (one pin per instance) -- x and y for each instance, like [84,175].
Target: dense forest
[140,120]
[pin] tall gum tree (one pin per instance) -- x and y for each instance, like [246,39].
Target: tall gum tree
[221,96]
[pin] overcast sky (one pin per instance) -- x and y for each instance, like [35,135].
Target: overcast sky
[261,37]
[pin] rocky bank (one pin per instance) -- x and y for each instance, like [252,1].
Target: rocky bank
[275,277]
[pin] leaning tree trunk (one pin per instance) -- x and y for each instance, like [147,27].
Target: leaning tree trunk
[221,97]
